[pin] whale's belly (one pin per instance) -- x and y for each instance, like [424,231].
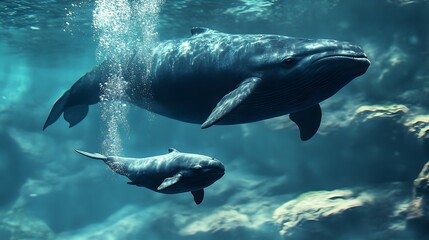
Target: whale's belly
[188,97]
[191,98]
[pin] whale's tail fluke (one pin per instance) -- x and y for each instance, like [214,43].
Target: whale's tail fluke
[57,109]
[73,115]
[74,103]
[97,156]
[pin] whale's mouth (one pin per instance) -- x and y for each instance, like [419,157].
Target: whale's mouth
[352,65]
[359,57]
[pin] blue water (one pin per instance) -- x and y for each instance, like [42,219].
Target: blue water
[353,180]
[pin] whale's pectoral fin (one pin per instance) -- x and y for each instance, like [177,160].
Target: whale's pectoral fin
[75,114]
[57,109]
[198,196]
[308,121]
[230,101]
[168,182]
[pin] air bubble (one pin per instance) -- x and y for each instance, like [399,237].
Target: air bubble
[123,27]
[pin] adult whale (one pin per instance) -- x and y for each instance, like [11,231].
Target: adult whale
[218,78]
[171,173]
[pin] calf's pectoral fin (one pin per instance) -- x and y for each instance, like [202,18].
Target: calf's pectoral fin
[168,182]
[198,196]
[308,121]
[232,100]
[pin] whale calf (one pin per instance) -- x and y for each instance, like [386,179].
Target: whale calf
[218,78]
[171,173]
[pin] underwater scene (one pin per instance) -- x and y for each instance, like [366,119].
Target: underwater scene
[203,119]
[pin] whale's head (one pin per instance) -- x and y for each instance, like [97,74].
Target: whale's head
[309,69]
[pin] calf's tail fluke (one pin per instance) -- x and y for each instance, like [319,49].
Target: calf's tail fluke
[97,156]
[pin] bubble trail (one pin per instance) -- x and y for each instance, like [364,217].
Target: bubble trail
[123,27]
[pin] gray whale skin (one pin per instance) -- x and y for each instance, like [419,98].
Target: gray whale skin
[217,78]
[171,173]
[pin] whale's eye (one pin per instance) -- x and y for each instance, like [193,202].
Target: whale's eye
[289,62]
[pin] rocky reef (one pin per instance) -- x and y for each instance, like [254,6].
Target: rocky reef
[17,225]
[386,212]
[362,213]
[418,210]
